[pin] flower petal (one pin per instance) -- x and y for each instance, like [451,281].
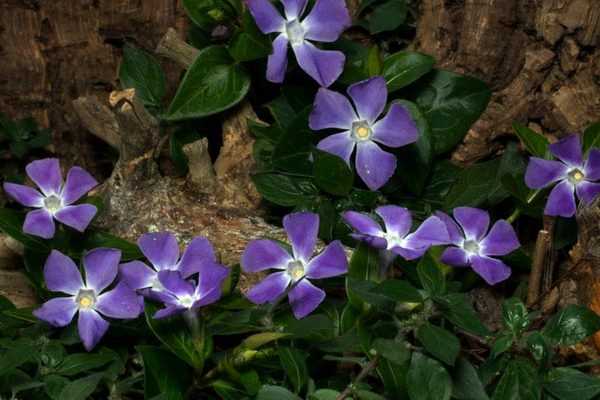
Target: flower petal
[46,175]
[101,267]
[397,220]
[339,144]
[568,150]
[302,229]
[474,222]
[137,275]
[491,270]
[269,288]
[409,253]
[587,191]
[592,165]
[61,274]
[122,302]
[561,201]
[455,256]
[58,311]
[501,240]
[327,20]
[331,110]
[78,183]
[305,298]
[373,241]
[455,234]
[396,129]
[160,248]
[25,195]
[174,283]
[278,60]
[362,223]
[168,311]
[199,253]
[39,223]
[432,232]
[369,97]
[266,16]
[331,262]
[374,166]
[263,254]
[208,297]
[293,8]
[92,328]
[77,217]
[541,173]
[211,278]
[324,66]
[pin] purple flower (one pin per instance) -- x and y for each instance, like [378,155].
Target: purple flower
[396,236]
[162,250]
[475,246]
[325,23]
[572,173]
[88,297]
[296,268]
[362,129]
[55,200]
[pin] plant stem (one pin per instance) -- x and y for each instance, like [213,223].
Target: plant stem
[517,211]
[370,366]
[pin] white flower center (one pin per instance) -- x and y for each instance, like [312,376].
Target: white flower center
[575,176]
[471,247]
[295,270]
[52,203]
[86,298]
[361,131]
[186,301]
[295,32]
[156,285]
[393,240]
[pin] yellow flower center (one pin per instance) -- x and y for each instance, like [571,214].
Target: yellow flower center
[86,298]
[52,203]
[85,302]
[362,132]
[296,270]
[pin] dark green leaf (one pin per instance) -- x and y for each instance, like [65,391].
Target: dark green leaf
[74,364]
[398,291]
[427,379]
[395,351]
[293,362]
[431,276]
[177,140]
[164,373]
[591,137]
[11,222]
[516,317]
[129,251]
[227,390]
[270,392]
[457,308]
[206,14]
[251,381]
[439,342]
[141,71]
[571,325]
[394,377]
[82,388]
[284,190]
[364,266]
[387,16]
[519,382]
[212,84]
[571,384]
[324,394]
[332,174]
[20,352]
[466,382]
[535,143]
[502,344]
[404,67]
[249,44]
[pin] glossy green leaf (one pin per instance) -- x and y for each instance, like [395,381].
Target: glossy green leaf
[332,174]
[398,291]
[515,315]
[466,382]
[387,16]
[404,67]
[324,394]
[571,384]
[519,382]
[270,392]
[77,363]
[439,342]
[284,190]
[431,276]
[172,381]
[571,325]
[427,379]
[293,362]
[81,388]
[591,137]
[457,308]
[141,71]
[535,143]
[395,351]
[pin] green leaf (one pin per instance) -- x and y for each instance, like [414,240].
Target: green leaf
[208,13]
[284,190]
[164,373]
[249,43]
[293,362]
[374,61]
[502,344]
[394,377]
[270,392]
[571,325]
[141,71]
[11,223]
[439,342]
[427,379]
[177,140]
[324,394]
[404,67]
[457,308]
[332,174]
[535,143]
[251,381]
[95,239]
[227,390]
[451,103]
[20,352]
[260,339]
[387,16]
[364,266]
[77,363]
[431,276]
[82,388]
[398,291]
[175,335]
[395,351]
[212,84]
[519,382]
[571,384]
[515,315]
[591,137]
[466,382]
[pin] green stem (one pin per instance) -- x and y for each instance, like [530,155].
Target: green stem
[517,211]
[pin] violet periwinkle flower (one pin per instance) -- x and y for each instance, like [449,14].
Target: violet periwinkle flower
[362,129]
[296,268]
[325,23]
[396,237]
[572,172]
[87,297]
[162,251]
[473,245]
[55,200]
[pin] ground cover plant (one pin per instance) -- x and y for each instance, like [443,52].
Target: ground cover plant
[370,294]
